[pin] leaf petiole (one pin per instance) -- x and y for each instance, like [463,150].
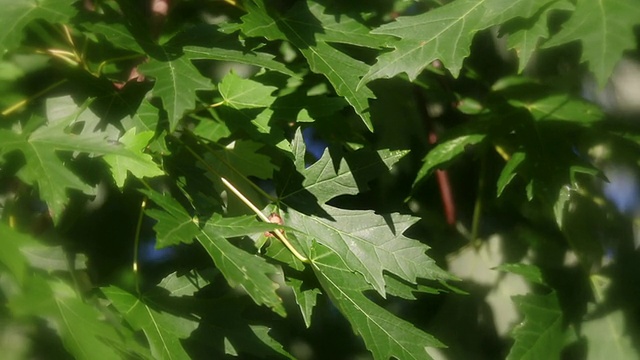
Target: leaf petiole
[279,234]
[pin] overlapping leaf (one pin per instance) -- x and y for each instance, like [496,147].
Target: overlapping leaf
[444,34]
[311,30]
[541,334]
[329,177]
[17,14]
[81,326]
[43,166]
[525,36]
[369,243]
[605,29]
[162,329]
[385,335]
[142,166]
[177,81]
[238,266]
[350,250]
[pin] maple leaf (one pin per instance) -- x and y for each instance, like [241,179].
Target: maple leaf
[142,166]
[329,176]
[239,267]
[81,326]
[177,81]
[17,14]
[311,30]
[605,29]
[350,250]
[541,333]
[163,330]
[444,34]
[368,243]
[39,146]
[385,335]
[525,36]
[242,93]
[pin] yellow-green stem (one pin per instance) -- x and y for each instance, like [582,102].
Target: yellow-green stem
[136,245]
[21,103]
[264,218]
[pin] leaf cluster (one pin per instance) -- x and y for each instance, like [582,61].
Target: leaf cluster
[232,179]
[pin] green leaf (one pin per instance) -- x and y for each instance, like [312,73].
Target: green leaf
[53,258]
[368,243]
[605,29]
[544,106]
[540,335]
[43,166]
[210,129]
[509,171]
[241,158]
[236,163]
[529,272]
[177,81]
[444,152]
[444,34]
[17,14]
[82,328]
[564,196]
[329,177]
[174,225]
[142,166]
[182,285]
[305,298]
[242,93]
[402,289]
[238,225]
[206,42]
[146,119]
[607,334]
[111,25]
[163,330]
[238,333]
[10,256]
[308,28]
[524,36]
[385,335]
[240,268]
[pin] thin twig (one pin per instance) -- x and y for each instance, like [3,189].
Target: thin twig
[264,218]
[136,245]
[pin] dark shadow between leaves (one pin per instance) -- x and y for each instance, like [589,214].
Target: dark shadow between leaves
[298,24]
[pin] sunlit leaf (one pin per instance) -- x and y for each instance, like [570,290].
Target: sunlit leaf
[140,167]
[303,25]
[605,30]
[444,34]
[242,93]
[385,335]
